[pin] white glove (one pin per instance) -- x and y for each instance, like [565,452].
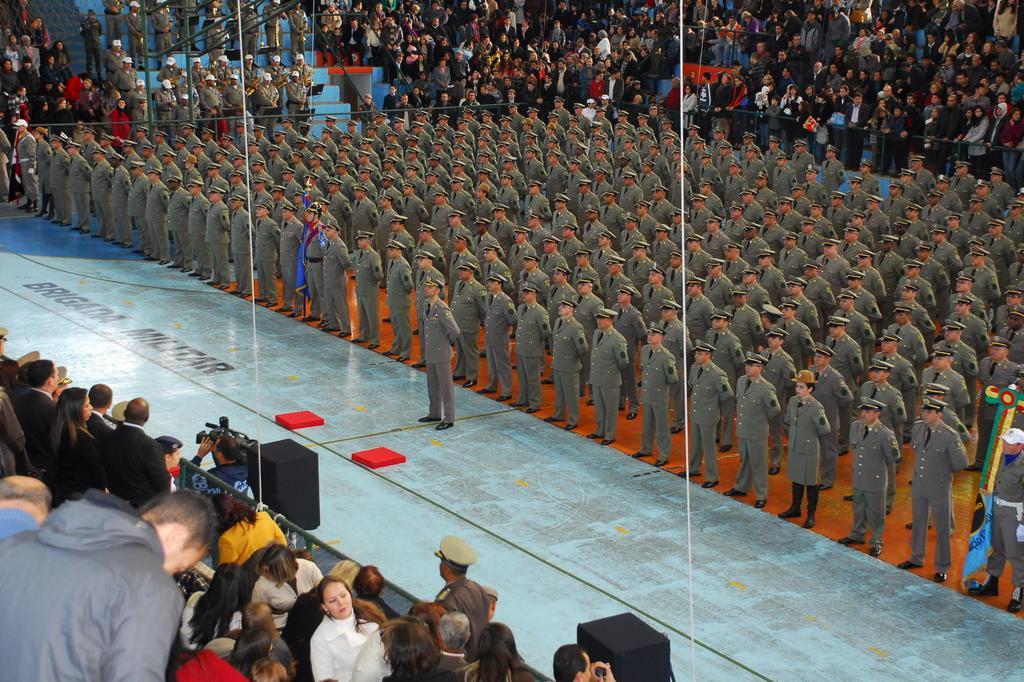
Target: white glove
[1020,532]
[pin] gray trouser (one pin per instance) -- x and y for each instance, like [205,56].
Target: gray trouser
[868,514]
[29,180]
[467,353]
[499,367]
[529,369]
[81,200]
[775,433]
[843,437]
[369,316]
[655,431]
[139,225]
[567,396]
[401,328]
[266,271]
[315,287]
[969,410]
[104,217]
[243,271]
[200,253]
[585,374]
[753,467]
[939,508]
[628,392]
[158,235]
[219,252]
[288,277]
[986,420]
[1004,544]
[182,248]
[677,396]
[606,410]
[113,22]
[828,458]
[890,486]
[726,430]
[910,404]
[62,202]
[441,390]
[122,224]
[335,306]
[702,447]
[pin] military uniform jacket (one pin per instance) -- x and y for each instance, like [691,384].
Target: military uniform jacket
[178,206]
[756,404]
[532,329]
[939,453]
[80,175]
[608,358]
[468,304]
[658,372]
[847,359]
[780,372]
[631,325]
[965,360]
[101,180]
[833,393]
[120,187]
[1010,481]
[399,283]
[710,388]
[746,324]
[369,273]
[874,450]
[957,395]
[239,230]
[806,423]
[894,413]
[798,343]
[911,345]
[60,169]
[440,332]
[499,315]
[991,373]
[728,353]
[336,265]
[568,345]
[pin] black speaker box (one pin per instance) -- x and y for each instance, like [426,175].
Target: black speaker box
[635,651]
[291,481]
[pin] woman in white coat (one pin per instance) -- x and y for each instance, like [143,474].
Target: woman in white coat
[336,643]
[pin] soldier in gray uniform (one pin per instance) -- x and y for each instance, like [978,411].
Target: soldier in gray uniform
[60,170]
[440,333]
[267,235]
[875,454]
[369,276]
[157,198]
[807,424]
[568,349]
[995,370]
[630,323]
[101,185]
[939,453]
[499,316]
[587,306]
[241,247]
[197,209]
[177,221]
[659,373]
[676,342]
[780,372]
[399,285]
[80,183]
[728,355]
[288,249]
[710,391]
[756,404]
[835,396]
[336,265]
[607,360]
[120,188]
[218,237]
[847,360]
[467,299]
[1007,527]
[532,331]
[137,207]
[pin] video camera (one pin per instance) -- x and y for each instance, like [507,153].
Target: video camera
[246,445]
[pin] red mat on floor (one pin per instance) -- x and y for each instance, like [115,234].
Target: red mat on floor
[376,458]
[299,420]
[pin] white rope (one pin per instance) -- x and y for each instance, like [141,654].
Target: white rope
[252,257]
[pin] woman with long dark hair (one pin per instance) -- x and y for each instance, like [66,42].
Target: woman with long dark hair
[212,614]
[78,459]
[341,634]
[412,652]
[251,646]
[244,531]
[497,659]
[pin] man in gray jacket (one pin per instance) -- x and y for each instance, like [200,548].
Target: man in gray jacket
[122,627]
[440,333]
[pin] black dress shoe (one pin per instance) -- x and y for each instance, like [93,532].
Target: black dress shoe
[989,588]
[847,498]
[875,551]
[676,429]
[373,346]
[420,365]
[661,465]
[569,427]
[518,404]
[164,262]
[590,402]
[809,523]
[791,513]
[1015,600]
[695,474]
[148,258]
[531,410]
[547,381]
[503,398]
[631,416]
[195,274]
[724,448]
[425,420]
[171,266]
[310,318]
[443,425]
[909,525]
[973,467]
[732,492]
[297,313]
[469,384]
[907,565]
[705,484]
[638,455]
[607,441]
[825,486]
[773,471]
[939,577]
[550,420]
[486,391]
[594,436]
[458,377]
[760,504]
[345,335]
[849,541]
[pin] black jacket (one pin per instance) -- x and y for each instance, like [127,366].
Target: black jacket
[134,463]
[37,413]
[78,468]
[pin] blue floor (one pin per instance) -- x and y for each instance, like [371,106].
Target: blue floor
[567,530]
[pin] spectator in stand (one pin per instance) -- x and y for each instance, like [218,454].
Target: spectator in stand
[303,620]
[259,614]
[252,645]
[101,397]
[454,631]
[244,531]
[24,504]
[368,585]
[572,664]
[497,659]
[412,652]
[37,413]
[338,639]
[218,610]
[78,459]
[282,578]
[134,461]
[120,628]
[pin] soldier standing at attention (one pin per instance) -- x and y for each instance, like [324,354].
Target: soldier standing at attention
[806,422]
[608,358]
[241,249]
[835,397]
[875,453]
[336,266]
[500,315]
[780,372]
[532,330]
[178,205]
[1007,529]
[288,248]
[316,245]
[218,237]
[120,187]
[80,182]
[157,198]
[995,370]
[369,275]
[197,209]
[939,453]
[568,349]
[710,392]
[440,333]
[468,303]
[587,306]
[60,170]
[101,184]
[756,405]
[630,323]
[658,373]
[399,286]
[425,272]
[268,234]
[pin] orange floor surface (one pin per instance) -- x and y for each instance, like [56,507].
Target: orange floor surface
[834,515]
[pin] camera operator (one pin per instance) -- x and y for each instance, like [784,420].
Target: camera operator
[230,465]
[572,664]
